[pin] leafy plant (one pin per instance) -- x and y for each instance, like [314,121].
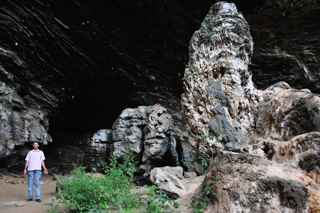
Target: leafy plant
[204,28]
[107,193]
[198,202]
[90,193]
[208,151]
[203,165]
[157,201]
[190,66]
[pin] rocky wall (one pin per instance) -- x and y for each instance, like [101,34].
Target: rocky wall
[20,123]
[145,130]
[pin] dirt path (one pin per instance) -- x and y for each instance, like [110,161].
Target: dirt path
[13,197]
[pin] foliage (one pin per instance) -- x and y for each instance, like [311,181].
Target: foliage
[203,165]
[198,202]
[191,66]
[203,161]
[89,193]
[157,201]
[107,193]
[206,30]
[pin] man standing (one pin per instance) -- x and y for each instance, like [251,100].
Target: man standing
[34,160]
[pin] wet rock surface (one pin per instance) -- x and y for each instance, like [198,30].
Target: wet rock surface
[283,52]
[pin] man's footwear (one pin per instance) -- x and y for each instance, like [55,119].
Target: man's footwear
[38,200]
[29,199]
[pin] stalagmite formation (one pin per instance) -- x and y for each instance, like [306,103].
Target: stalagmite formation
[217,82]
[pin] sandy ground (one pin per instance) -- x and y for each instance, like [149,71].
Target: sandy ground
[13,196]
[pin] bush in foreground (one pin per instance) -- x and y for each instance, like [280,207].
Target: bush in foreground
[107,193]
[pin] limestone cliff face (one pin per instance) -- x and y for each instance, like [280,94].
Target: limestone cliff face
[20,123]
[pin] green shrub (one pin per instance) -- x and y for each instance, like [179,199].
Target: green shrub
[199,203]
[208,152]
[157,201]
[106,193]
[109,192]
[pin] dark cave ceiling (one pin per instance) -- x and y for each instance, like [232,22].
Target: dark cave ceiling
[85,61]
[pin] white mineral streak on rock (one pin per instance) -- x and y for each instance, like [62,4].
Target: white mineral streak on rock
[101,137]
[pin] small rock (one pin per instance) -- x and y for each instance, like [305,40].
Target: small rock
[55,177]
[11,203]
[190,175]
[19,204]
[167,180]
[234,147]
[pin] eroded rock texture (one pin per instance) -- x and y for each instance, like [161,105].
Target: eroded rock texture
[147,131]
[271,136]
[217,82]
[20,123]
[287,112]
[98,150]
[171,181]
[83,62]
[249,183]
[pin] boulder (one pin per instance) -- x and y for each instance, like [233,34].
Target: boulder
[288,113]
[147,131]
[171,182]
[249,183]
[168,182]
[190,174]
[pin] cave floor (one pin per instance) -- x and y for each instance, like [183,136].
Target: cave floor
[14,195]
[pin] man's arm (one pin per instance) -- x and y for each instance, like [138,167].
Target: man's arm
[25,168]
[44,168]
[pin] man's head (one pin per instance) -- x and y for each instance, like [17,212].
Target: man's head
[35,145]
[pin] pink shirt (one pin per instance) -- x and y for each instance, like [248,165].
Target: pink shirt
[35,159]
